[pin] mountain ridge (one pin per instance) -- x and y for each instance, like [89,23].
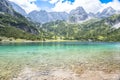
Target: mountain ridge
[18,9]
[94,29]
[76,15]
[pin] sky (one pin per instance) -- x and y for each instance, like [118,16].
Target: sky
[67,5]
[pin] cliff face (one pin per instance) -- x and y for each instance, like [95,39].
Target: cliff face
[18,9]
[78,14]
[9,17]
[6,7]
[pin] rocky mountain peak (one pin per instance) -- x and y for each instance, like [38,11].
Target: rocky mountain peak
[78,11]
[78,14]
[106,12]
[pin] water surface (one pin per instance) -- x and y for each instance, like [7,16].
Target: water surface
[48,55]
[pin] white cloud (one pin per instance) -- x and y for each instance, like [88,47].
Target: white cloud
[115,4]
[88,5]
[26,5]
[53,1]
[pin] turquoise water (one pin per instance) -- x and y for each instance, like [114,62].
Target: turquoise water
[48,55]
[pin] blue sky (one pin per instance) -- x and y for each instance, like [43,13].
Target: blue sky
[106,1]
[66,5]
[44,4]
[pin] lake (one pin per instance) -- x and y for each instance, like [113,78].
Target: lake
[44,57]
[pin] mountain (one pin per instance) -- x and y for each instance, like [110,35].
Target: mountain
[113,21]
[18,9]
[39,16]
[13,24]
[16,19]
[91,30]
[6,7]
[43,16]
[91,15]
[58,16]
[78,14]
[109,11]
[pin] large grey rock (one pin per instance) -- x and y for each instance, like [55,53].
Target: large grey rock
[78,14]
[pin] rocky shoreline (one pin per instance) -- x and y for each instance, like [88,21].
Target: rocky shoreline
[61,74]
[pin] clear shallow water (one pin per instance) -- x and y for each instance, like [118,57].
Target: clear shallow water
[16,56]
